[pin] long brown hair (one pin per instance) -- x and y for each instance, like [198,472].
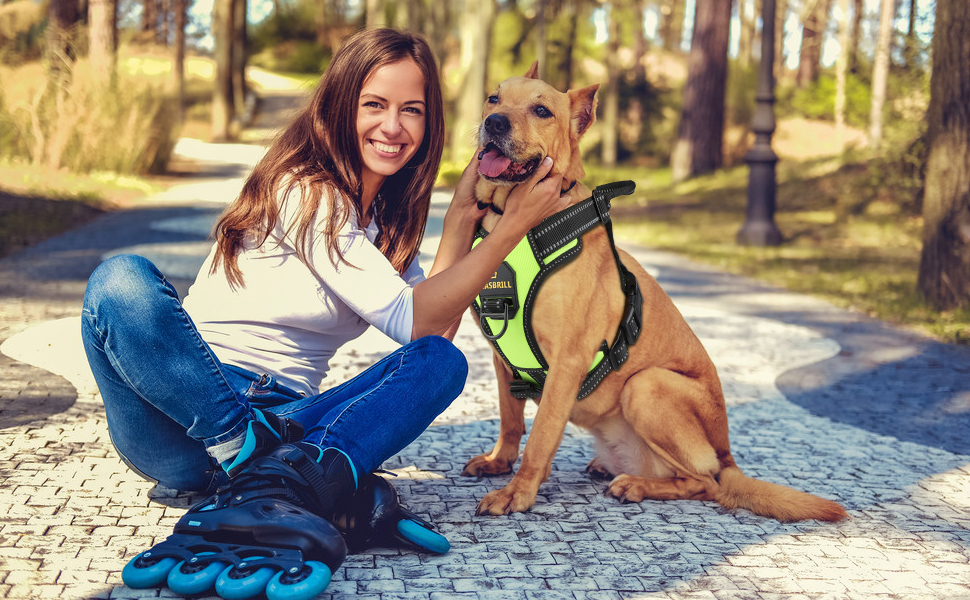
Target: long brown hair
[321,152]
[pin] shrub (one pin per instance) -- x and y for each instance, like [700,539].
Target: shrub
[127,128]
[293,56]
[817,101]
[21,31]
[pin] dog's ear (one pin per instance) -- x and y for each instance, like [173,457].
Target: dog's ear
[582,103]
[533,72]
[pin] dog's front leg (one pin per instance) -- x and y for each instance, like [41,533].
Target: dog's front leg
[511,429]
[555,408]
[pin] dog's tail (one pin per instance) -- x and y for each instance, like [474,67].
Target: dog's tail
[737,490]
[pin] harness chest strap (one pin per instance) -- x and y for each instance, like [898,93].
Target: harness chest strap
[548,246]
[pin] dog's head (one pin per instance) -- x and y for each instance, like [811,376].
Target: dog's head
[525,120]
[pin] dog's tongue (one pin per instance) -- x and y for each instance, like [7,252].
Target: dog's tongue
[493,163]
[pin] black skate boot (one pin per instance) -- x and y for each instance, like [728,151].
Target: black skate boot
[260,534]
[264,433]
[373,516]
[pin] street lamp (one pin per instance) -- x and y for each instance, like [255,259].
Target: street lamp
[759,228]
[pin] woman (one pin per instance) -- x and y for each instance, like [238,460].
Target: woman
[320,244]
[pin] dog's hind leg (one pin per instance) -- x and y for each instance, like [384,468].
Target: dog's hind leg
[672,415]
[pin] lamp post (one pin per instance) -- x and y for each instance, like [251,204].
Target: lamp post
[759,228]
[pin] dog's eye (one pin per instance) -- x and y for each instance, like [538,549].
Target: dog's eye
[542,112]
[493,99]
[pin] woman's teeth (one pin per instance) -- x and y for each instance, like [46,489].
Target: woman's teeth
[387,148]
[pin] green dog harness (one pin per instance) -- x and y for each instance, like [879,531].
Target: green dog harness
[504,306]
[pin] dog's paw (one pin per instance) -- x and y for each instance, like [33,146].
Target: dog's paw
[627,488]
[483,465]
[597,470]
[504,502]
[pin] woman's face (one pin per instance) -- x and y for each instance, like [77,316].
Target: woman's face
[390,119]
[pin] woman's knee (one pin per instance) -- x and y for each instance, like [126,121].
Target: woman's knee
[445,363]
[127,280]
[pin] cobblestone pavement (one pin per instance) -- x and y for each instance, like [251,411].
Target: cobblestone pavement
[820,399]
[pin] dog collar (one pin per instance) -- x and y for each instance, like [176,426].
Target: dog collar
[500,212]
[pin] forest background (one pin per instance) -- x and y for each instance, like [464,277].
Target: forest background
[872,108]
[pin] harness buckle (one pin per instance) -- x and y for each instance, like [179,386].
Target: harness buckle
[601,202]
[523,390]
[632,321]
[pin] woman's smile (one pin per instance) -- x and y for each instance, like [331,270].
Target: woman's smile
[388,150]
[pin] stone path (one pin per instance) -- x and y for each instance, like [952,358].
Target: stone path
[820,399]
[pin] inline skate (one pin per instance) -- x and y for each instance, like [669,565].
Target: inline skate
[263,532]
[373,516]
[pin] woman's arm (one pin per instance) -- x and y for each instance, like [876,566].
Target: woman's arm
[459,272]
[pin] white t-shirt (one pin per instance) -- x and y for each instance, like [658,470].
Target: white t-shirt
[288,321]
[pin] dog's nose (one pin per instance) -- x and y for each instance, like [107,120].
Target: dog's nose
[497,124]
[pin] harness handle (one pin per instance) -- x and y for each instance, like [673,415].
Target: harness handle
[608,191]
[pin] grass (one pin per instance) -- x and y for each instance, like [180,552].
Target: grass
[849,238]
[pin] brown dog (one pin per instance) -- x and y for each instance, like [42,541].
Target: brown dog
[659,421]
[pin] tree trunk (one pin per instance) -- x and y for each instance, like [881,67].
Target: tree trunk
[542,39]
[813,34]
[566,64]
[748,22]
[165,10]
[858,12]
[440,18]
[181,19]
[102,28]
[698,149]
[374,15]
[944,272]
[880,71]
[475,26]
[639,44]
[781,19]
[672,14]
[912,44]
[149,17]
[239,50]
[611,98]
[842,68]
[61,52]
[222,103]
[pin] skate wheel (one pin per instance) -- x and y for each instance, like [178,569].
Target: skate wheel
[189,578]
[239,584]
[421,536]
[304,584]
[142,572]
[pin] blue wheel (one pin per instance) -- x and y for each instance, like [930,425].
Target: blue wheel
[236,583]
[421,536]
[147,572]
[306,583]
[193,577]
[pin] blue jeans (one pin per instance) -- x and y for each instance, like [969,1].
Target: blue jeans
[167,397]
